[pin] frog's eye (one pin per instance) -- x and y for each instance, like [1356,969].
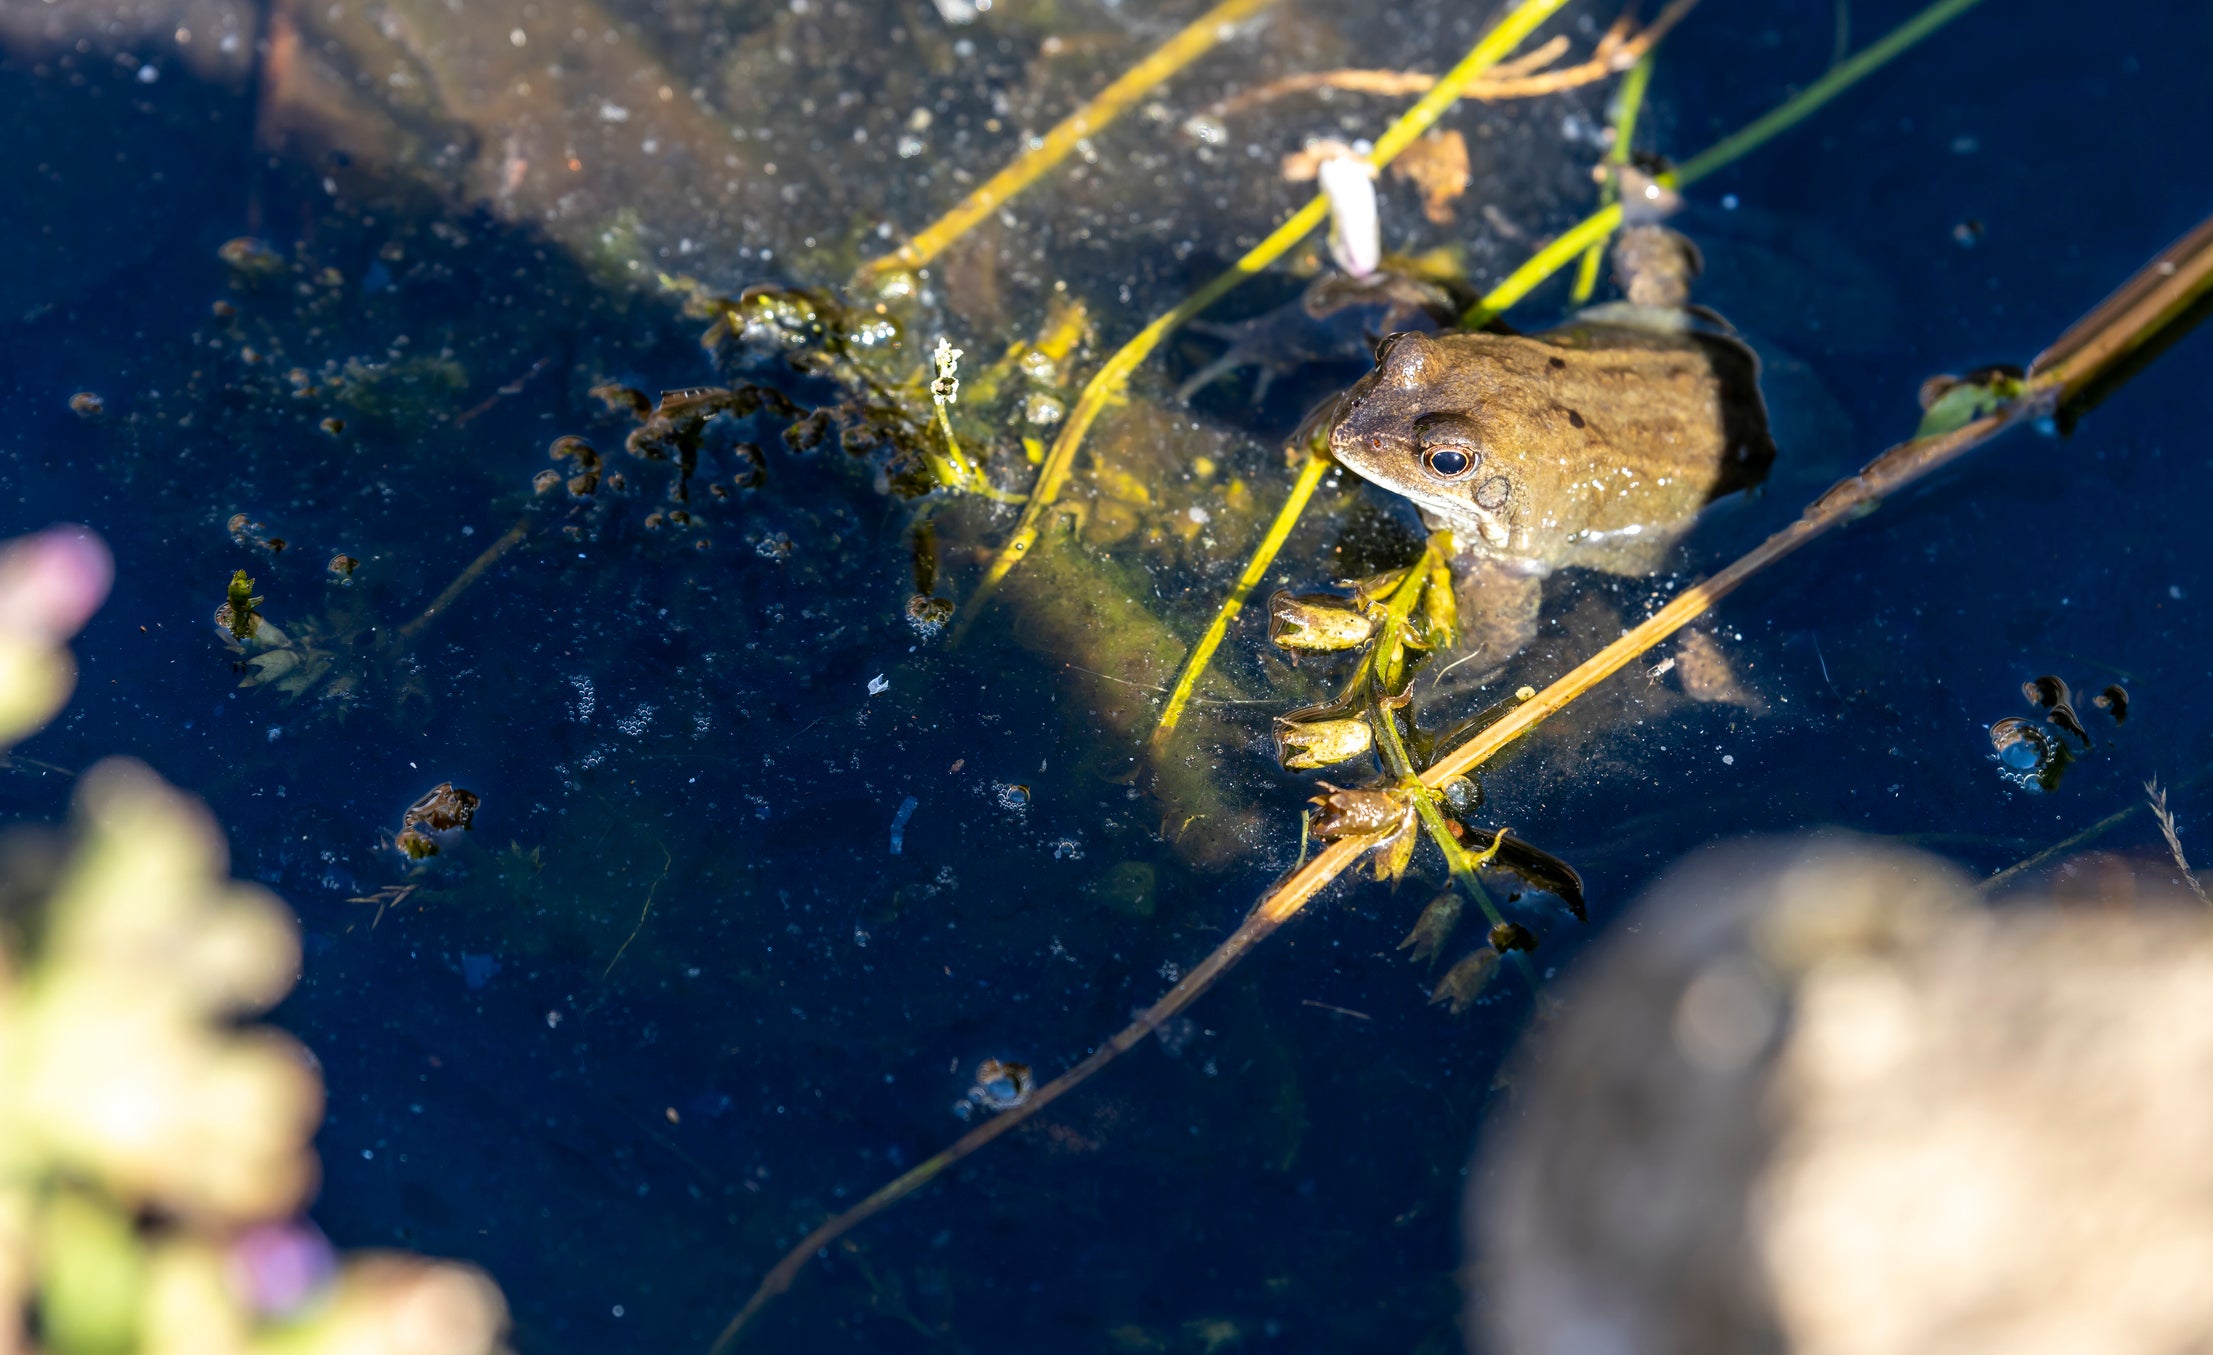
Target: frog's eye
[1450,462]
[1450,445]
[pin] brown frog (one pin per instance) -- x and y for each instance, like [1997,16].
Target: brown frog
[1594,444]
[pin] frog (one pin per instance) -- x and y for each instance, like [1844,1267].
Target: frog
[1595,444]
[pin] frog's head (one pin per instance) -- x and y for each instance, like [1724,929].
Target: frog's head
[1417,426]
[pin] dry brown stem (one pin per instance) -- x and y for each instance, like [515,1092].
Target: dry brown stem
[1522,78]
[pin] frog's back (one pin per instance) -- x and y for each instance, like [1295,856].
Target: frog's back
[1672,420]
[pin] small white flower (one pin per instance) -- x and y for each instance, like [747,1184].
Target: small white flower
[946,389]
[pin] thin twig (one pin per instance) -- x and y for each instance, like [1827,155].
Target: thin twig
[1341,1011]
[1354,81]
[2070,843]
[1521,78]
[667,862]
[461,582]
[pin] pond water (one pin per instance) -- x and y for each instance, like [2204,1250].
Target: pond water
[761,873]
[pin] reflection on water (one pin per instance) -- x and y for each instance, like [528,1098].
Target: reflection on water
[763,870]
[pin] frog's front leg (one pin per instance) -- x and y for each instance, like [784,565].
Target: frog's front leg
[1498,616]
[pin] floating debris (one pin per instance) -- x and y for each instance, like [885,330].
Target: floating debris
[249,533]
[444,810]
[928,615]
[1706,674]
[342,567]
[2051,693]
[251,259]
[2114,702]
[1001,1085]
[1511,936]
[86,405]
[1952,402]
[1540,869]
[582,455]
[1437,165]
[1386,814]
[2027,756]
[1462,794]
[1358,813]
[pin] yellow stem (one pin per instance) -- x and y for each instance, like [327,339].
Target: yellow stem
[1196,39]
[1194,666]
[1106,385]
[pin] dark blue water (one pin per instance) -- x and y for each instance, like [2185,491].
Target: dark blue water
[675,998]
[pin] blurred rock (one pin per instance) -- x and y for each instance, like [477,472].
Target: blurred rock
[157,1148]
[1814,1097]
